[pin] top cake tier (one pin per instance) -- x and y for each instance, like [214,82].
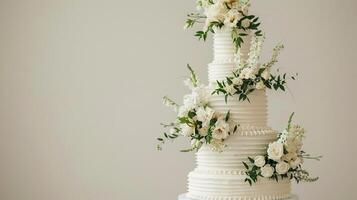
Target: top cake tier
[225,59]
[223,47]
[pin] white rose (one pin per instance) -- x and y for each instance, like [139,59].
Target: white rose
[266,74]
[282,167]
[204,114]
[216,12]
[245,23]
[186,130]
[275,151]
[260,85]
[203,131]
[231,18]
[294,164]
[259,161]
[221,129]
[230,89]
[237,81]
[267,171]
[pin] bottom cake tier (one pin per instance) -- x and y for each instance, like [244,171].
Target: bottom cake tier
[185,197]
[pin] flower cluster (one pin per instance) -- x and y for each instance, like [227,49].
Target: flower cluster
[230,14]
[197,121]
[251,76]
[283,158]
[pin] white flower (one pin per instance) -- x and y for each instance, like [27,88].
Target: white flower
[204,115]
[232,17]
[282,168]
[203,131]
[221,129]
[186,130]
[230,89]
[217,145]
[196,143]
[245,23]
[215,12]
[200,95]
[275,151]
[237,81]
[248,73]
[266,74]
[260,85]
[295,163]
[245,10]
[267,171]
[290,156]
[259,161]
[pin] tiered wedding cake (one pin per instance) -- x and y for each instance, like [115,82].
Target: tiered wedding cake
[221,175]
[238,156]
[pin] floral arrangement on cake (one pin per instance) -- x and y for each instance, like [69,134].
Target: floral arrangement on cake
[196,120]
[230,14]
[283,158]
[251,76]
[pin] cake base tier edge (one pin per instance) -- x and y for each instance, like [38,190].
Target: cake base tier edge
[184,197]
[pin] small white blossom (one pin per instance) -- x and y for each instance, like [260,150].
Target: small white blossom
[246,23]
[232,17]
[295,163]
[215,12]
[237,81]
[259,161]
[260,85]
[275,151]
[204,114]
[230,89]
[282,168]
[186,130]
[267,171]
[203,131]
[221,129]
[248,73]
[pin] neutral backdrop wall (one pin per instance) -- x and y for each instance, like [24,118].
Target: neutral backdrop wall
[81,85]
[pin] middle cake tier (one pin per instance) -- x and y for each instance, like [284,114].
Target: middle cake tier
[246,113]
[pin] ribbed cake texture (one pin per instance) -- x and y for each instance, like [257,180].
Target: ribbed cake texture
[220,175]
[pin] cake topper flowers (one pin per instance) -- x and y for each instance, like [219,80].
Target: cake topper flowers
[229,14]
[283,158]
[196,120]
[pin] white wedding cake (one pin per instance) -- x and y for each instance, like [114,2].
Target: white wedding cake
[238,156]
[220,175]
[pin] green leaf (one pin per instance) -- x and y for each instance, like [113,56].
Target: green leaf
[246,166]
[228,115]
[251,159]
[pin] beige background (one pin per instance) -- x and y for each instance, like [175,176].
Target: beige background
[81,85]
